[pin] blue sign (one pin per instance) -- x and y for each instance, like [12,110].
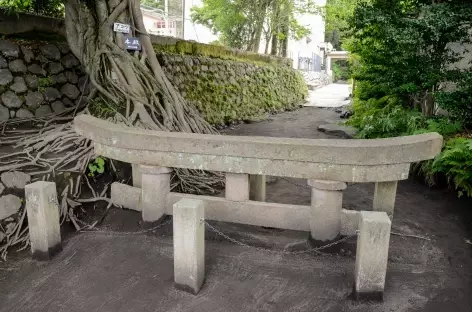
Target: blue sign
[132,43]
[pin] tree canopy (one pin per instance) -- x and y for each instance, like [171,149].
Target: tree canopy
[243,23]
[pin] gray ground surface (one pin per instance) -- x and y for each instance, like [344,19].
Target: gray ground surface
[122,272]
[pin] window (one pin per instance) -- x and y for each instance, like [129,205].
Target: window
[160,24]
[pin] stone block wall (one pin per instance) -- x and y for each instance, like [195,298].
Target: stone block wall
[38,79]
[226,90]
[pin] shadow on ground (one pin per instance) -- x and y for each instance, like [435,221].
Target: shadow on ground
[122,272]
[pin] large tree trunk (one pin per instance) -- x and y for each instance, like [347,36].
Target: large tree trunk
[131,84]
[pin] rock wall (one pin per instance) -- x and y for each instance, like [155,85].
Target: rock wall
[226,90]
[38,79]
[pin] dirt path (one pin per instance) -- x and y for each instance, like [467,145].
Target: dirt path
[101,272]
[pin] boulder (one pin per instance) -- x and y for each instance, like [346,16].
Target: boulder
[2,188]
[37,70]
[51,94]
[4,113]
[51,52]
[42,111]
[5,76]
[58,107]
[9,49]
[19,85]
[34,99]
[42,59]
[17,66]
[3,62]
[9,205]
[58,79]
[343,131]
[55,68]
[71,77]
[24,113]
[32,81]
[11,100]
[70,91]
[70,61]
[68,102]
[28,55]
[15,179]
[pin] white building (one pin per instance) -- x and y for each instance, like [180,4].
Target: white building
[193,31]
[159,22]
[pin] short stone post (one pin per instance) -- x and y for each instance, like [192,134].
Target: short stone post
[43,219]
[237,186]
[384,197]
[189,244]
[136,173]
[154,190]
[372,255]
[326,209]
[257,187]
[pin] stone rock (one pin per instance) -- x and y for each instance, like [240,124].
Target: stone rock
[68,102]
[346,113]
[9,205]
[42,59]
[82,101]
[5,76]
[55,68]
[19,85]
[24,113]
[34,99]
[11,100]
[32,81]
[9,49]
[10,227]
[51,52]
[4,113]
[28,55]
[37,70]
[3,62]
[338,130]
[64,48]
[15,179]
[71,77]
[70,91]
[59,78]
[42,111]
[17,66]
[2,236]
[58,107]
[70,61]
[2,188]
[12,114]
[51,94]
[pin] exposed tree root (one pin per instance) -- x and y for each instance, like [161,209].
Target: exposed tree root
[129,88]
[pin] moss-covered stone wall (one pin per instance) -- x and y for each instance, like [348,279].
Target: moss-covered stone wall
[226,90]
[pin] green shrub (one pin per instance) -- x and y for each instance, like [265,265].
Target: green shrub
[455,162]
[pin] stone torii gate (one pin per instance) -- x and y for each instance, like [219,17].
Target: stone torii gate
[334,55]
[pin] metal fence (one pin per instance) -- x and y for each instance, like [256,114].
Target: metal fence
[312,63]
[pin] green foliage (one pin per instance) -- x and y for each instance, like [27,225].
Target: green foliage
[97,166]
[43,83]
[240,23]
[341,70]
[455,162]
[53,8]
[405,46]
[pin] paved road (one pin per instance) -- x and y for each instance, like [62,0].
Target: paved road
[332,95]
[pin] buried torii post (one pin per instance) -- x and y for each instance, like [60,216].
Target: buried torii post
[327,164]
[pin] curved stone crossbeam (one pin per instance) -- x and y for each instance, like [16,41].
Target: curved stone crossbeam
[323,159]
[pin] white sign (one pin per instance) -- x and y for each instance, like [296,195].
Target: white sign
[122,28]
